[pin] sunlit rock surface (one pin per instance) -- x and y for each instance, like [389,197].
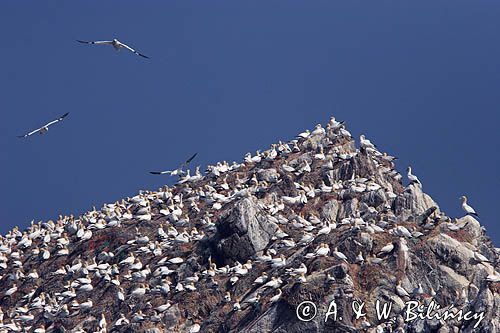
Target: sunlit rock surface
[239,248]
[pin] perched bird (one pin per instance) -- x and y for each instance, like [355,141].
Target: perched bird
[467,209]
[386,249]
[115,43]
[359,258]
[478,257]
[339,255]
[304,134]
[365,143]
[44,128]
[412,177]
[276,297]
[493,278]
[401,291]
[102,322]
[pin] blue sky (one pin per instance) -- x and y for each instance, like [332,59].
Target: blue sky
[420,79]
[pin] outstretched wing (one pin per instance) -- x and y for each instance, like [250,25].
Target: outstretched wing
[159,172]
[30,133]
[190,159]
[134,51]
[56,120]
[95,42]
[44,126]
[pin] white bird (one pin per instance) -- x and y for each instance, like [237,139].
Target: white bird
[273,283]
[11,291]
[326,229]
[359,258]
[261,279]
[178,171]
[480,258]
[122,320]
[120,294]
[304,134]
[401,291]
[318,130]
[102,322]
[163,307]
[386,249]
[195,328]
[419,290]
[236,306]
[115,43]
[412,177]
[278,262]
[322,250]
[365,143]
[276,297]
[44,128]
[493,278]
[302,269]
[139,291]
[467,209]
[339,255]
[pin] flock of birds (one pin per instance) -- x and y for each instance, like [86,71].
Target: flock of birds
[146,273]
[117,45]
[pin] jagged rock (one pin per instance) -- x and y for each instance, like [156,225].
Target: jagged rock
[243,232]
[452,279]
[413,202]
[212,252]
[268,175]
[330,210]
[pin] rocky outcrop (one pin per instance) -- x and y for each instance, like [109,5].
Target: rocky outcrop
[251,247]
[242,232]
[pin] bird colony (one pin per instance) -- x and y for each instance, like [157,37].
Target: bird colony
[238,248]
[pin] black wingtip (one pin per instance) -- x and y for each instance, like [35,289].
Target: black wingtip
[155,173]
[142,55]
[191,158]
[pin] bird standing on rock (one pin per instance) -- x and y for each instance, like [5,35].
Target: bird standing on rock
[467,209]
[412,177]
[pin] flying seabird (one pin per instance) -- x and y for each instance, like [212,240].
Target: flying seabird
[178,171]
[44,128]
[115,43]
[468,209]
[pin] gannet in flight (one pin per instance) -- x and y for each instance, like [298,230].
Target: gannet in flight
[115,43]
[468,209]
[178,171]
[412,177]
[44,128]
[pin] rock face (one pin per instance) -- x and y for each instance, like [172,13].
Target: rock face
[251,247]
[242,232]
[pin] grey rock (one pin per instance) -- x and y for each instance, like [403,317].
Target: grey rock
[268,175]
[243,231]
[330,210]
